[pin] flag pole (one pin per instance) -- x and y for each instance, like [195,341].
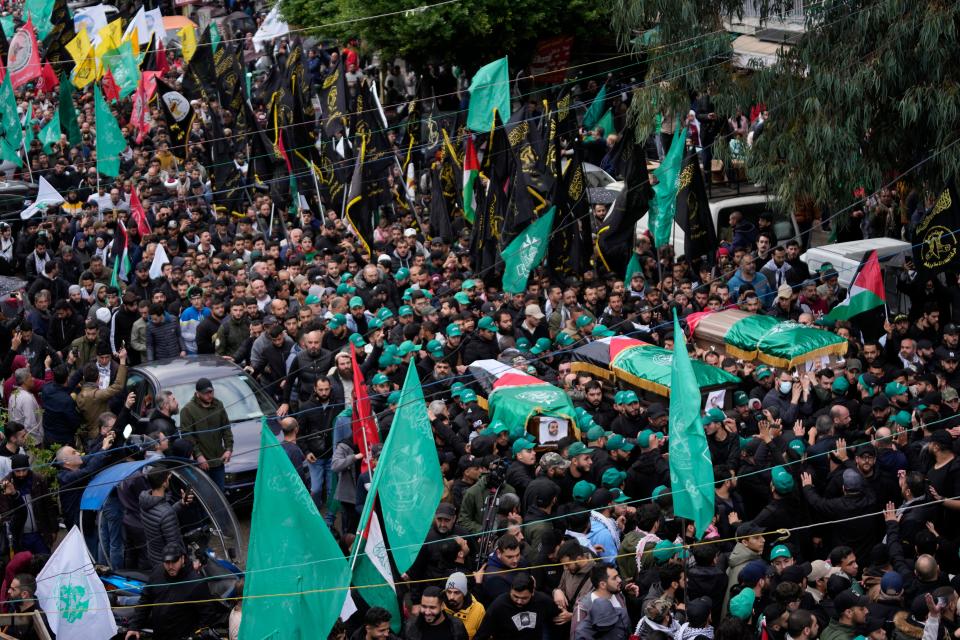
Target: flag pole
[26,157]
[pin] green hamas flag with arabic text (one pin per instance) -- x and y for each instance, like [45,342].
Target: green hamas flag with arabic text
[525,253]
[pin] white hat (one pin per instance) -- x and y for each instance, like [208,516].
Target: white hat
[409,232]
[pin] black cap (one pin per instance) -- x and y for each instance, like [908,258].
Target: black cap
[103,349]
[941,437]
[747,529]
[951,329]
[880,402]
[446,510]
[204,384]
[172,552]
[20,461]
[866,450]
[656,410]
[848,600]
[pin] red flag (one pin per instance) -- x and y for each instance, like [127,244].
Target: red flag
[160,61]
[141,100]
[365,433]
[138,214]
[110,89]
[23,59]
[48,79]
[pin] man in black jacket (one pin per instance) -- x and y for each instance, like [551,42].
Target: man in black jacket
[432,622]
[310,364]
[316,430]
[75,471]
[209,326]
[175,582]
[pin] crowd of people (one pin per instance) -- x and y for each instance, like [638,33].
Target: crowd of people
[836,486]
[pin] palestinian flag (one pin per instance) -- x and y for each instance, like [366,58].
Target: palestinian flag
[121,256]
[372,573]
[513,397]
[139,215]
[365,432]
[471,170]
[866,291]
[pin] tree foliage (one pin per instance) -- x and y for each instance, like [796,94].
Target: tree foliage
[869,91]
[466,33]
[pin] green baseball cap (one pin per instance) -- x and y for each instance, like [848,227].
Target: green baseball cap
[714,415]
[780,551]
[346,276]
[467,396]
[798,446]
[456,388]
[357,340]
[664,551]
[407,347]
[461,297]
[740,399]
[564,339]
[374,323]
[312,299]
[387,360]
[584,320]
[522,444]
[487,324]
[435,349]
[659,491]
[783,482]
[393,398]
[384,314]
[337,321]
[617,442]
[618,397]
[356,301]
[402,273]
[629,397]
[345,289]
[453,330]
[497,426]
[583,490]
[467,284]
[894,389]
[840,384]
[578,449]
[619,496]
[600,331]
[523,344]
[901,418]
[596,432]
[643,438]
[405,310]
[380,379]
[406,294]
[763,371]
[612,478]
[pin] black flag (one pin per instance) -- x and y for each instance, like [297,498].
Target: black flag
[228,192]
[938,234]
[178,114]
[333,101]
[55,44]
[440,226]
[693,212]
[365,192]
[616,235]
[200,75]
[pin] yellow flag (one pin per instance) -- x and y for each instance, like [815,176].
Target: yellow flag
[111,35]
[188,42]
[86,67]
[134,39]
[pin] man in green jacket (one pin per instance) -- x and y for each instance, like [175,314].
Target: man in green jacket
[851,612]
[204,422]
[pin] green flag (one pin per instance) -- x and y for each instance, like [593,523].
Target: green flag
[67,113]
[633,267]
[663,207]
[11,133]
[110,140]
[489,90]
[114,278]
[596,110]
[525,252]
[123,66]
[40,12]
[606,123]
[50,133]
[28,134]
[8,25]
[214,37]
[295,569]
[691,467]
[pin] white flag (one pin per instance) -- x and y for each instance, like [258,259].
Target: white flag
[71,594]
[272,28]
[46,196]
[139,22]
[159,259]
[154,20]
[93,19]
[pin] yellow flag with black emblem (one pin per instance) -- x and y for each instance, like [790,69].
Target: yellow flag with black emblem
[938,234]
[85,69]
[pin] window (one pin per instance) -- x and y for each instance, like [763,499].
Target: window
[241,397]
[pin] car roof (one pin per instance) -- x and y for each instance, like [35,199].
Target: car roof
[172,371]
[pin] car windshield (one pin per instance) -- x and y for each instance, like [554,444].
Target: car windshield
[240,396]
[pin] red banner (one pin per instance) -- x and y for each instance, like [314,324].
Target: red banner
[550,62]
[365,433]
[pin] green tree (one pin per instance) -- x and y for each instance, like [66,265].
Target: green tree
[870,89]
[468,33]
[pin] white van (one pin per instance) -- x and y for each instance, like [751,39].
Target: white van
[784,224]
[846,256]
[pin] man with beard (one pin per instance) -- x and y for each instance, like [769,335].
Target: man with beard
[234,330]
[121,324]
[209,326]
[595,404]
[580,466]
[142,286]
[161,419]
[433,623]
[460,604]
[445,537]
[310,365]
[483,345]
[316,424]
[26,497]
[629,423]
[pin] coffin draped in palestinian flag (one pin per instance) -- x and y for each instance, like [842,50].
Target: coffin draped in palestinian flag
[778,343]
[642,365]
[514,396]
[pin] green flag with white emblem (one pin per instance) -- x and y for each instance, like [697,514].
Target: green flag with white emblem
[691,467]
[525,253]
[11,132]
